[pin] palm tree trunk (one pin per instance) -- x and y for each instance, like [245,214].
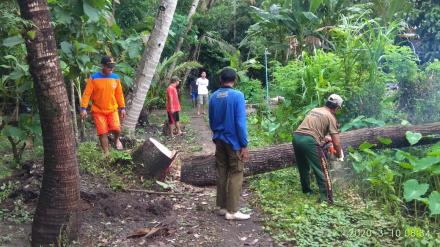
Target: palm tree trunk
[191,13]
[56,215]
[149,61]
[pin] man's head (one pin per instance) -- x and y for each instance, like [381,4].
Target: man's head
[334,102]
[108,64]
[175,80]
[228,76]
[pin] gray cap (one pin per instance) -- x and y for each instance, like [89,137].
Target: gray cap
[336,99]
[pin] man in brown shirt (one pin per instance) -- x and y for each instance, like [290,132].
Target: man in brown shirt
[308,140]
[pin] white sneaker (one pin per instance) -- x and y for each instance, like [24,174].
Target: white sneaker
[222,211]
[237,216]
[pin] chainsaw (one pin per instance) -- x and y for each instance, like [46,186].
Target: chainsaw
[330,152]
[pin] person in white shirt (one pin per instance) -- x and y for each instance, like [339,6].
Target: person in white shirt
[202,93]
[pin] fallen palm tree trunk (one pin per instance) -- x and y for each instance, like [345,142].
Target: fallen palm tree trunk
[200,170]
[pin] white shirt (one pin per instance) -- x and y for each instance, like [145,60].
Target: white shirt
[202,85]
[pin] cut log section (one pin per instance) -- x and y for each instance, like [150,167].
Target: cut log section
[200,170]
[153,159]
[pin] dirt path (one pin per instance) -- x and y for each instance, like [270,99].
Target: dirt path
[199,124]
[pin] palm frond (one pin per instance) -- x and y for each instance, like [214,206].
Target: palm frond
[166,63]
[181,68]
[214,40]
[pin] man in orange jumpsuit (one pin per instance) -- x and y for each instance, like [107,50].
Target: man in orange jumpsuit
[105,90]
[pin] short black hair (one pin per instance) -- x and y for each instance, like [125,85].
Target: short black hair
[228,75]
[105,60]
[331,105]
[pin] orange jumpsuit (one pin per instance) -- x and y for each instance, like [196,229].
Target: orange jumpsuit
[107,96]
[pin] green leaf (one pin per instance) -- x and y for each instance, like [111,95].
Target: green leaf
[356,156]
[424,163]
[16,75]
[31,34]
[314,5]
[11,131]
[87,48]
[436,170]
[405,122]
[412,190]
[365,146]
[434,203]
[97,3]
[66,48]
[384,140]
[116,29]
[402,155]
[165,185]
[135,50]
[435,150]
[13,41]
[91,12]
[62,16]
[310,16]
[406,165]
[374,122]
[359,166]
[413,138]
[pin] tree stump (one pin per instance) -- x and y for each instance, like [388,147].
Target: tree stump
[153,159]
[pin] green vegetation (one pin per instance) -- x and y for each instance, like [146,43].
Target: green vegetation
[6,189]
[296,218]
[392,199]
[116,169]
[405,182]
[20,213]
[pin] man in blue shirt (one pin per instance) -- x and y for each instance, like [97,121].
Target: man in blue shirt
[227,119]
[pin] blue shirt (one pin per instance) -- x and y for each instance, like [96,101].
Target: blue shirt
[227,117]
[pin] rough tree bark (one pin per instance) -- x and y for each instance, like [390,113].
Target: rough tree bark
[57,209]
[147,66]
[192,11]
[200,170]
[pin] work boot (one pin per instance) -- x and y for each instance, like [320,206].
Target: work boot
[237,216]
